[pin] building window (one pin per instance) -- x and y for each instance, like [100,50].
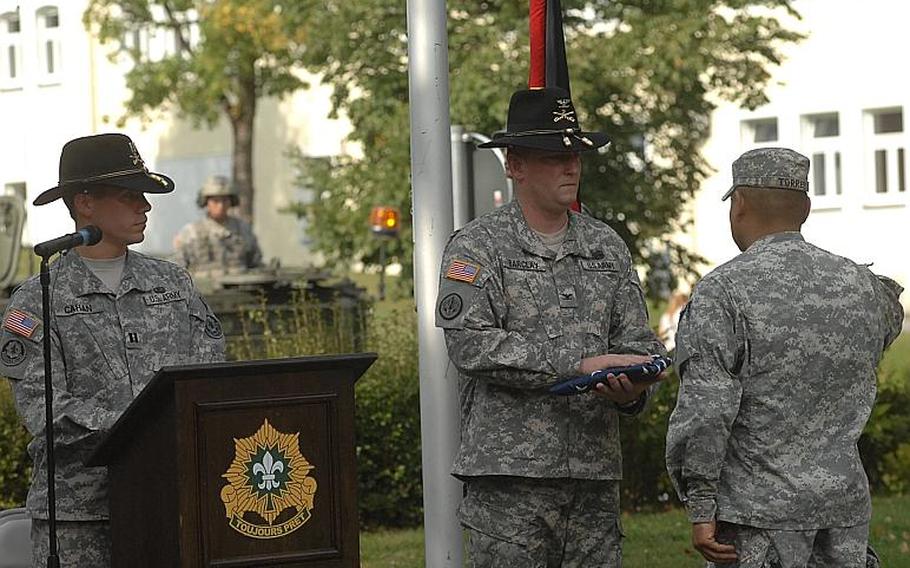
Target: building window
[17,189]
[821,138]
[881,171]
[48,38]
[888,121]
[759,131]
[887,157]
[10,51]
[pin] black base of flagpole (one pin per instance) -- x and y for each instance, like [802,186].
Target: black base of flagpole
[53,560]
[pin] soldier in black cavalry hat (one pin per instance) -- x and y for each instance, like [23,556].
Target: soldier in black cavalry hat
[117,317]
[530,294]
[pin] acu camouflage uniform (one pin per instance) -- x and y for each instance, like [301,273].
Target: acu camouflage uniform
[777,354]
[208,247]
[517,317]
[105,349]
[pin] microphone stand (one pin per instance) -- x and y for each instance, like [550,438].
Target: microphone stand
[53,560]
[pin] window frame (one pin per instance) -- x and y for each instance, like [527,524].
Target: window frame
[10,46]
[747,131]
[895,145]
[831,147]
[48,41]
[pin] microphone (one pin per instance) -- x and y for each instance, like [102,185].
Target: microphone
[86,236]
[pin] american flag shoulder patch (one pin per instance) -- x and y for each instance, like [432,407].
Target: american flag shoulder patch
[463,271]
[21,323]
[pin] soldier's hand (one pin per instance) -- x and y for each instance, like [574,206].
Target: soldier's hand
[621,390]
[703,539]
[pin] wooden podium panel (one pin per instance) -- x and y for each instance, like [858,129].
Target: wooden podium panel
[238,465]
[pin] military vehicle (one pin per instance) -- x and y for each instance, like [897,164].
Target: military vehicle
[12,220]
[257,308]
[267,306]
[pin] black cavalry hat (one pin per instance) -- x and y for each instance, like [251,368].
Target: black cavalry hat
[104,159]
[545,119]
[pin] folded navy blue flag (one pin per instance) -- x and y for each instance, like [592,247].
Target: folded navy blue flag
[640,372]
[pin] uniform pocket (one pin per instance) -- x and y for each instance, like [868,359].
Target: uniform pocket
[531,305]
[482,511]
[90,347]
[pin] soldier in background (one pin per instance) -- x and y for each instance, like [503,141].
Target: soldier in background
[117,317]
[219,243]
[777,354]
[529,294]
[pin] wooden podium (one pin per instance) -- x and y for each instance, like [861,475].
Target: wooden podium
[238,465]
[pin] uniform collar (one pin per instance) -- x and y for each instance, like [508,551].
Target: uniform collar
[782,237]
[82,281]
[216,227]
[574,243]
[71,271]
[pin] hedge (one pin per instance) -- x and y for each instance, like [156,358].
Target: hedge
[388,423]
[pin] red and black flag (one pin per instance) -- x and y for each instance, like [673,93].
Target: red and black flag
[548,46]
[548,52]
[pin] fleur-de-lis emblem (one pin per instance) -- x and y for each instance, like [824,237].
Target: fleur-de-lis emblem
[268,467]
[269,479]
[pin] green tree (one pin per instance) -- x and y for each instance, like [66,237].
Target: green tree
[647,72]
[228,54]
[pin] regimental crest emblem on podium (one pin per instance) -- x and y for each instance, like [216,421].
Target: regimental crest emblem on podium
[269,492]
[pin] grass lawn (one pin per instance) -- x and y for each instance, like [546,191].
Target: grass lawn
[659,540]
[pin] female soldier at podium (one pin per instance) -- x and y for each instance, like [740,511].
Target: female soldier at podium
[117,317]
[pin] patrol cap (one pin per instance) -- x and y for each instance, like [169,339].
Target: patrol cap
[217,186]
[771,168]
[104,159]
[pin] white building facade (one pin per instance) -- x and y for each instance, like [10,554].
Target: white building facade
[57,83]
[841,97]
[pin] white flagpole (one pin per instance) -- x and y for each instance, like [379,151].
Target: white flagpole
[431,179]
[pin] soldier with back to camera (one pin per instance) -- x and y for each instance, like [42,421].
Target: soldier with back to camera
[777,353]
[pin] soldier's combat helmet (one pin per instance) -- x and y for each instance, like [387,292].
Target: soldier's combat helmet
[217,186]
[103,160]
[545,119]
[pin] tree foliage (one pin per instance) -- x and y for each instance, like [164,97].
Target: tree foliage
[647,72]
[223,55]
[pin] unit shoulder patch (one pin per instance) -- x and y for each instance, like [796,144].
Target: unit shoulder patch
[450,306]
[213,327]
[12,353]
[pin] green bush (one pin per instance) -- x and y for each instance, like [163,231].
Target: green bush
[645,483]
[15,466]
[388,425]
[387,407]
[303,326]
[388,413]
[885,443]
